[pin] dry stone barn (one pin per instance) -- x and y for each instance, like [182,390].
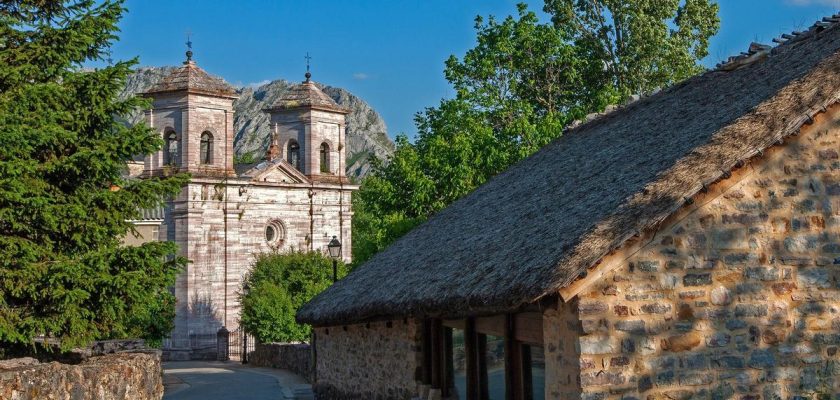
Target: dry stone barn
[684,246]
[298,197]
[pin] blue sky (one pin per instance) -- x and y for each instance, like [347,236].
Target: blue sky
[388,52]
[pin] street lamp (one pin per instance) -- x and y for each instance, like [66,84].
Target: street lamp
[335,252]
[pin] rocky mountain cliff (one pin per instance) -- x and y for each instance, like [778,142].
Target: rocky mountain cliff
[366,131]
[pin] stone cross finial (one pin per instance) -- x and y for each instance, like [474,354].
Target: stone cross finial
[189,47]
[308,59]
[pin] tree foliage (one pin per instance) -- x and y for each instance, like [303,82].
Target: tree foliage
[517,89]
[64,201]
[644,44]
[277,286]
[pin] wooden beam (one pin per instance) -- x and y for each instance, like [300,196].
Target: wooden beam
[455,323]
[529,328]
[493,325]
[607,265]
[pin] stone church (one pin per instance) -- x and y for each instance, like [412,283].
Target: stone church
[683,246]
[298,197]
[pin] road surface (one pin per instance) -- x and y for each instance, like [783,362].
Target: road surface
[208,380]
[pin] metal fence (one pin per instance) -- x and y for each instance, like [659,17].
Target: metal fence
[234,345]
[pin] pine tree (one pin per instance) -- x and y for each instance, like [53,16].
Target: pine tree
[64,200]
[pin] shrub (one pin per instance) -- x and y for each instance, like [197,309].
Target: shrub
[277,286]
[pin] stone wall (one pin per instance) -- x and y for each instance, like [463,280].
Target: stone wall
[136,376]
[380,360]
[736,297]
[561,334]
[295,357]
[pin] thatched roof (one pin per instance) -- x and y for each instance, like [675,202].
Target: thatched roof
[191,78]
[306,95]
[536,227]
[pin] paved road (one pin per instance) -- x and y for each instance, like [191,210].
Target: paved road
[208,380]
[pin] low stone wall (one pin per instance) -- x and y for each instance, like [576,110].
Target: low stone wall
[374,361]
[135,375]
[295,357]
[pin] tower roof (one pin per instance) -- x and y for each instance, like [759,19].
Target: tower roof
[306,95]
[191,78]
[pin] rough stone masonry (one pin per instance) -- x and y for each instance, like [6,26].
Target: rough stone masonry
[738,299]
[136,376]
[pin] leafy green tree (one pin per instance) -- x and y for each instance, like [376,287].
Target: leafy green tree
[520,71]
[64,201]
[516,90]
[644,44]
[277,286]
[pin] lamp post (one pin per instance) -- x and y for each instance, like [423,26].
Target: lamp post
[335,252]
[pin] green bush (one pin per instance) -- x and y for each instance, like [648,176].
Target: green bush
[277,286]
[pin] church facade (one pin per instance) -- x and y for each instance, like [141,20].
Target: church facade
[297,197]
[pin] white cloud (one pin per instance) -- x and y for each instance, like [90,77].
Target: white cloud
[360,76]
[832,3]
[254,85]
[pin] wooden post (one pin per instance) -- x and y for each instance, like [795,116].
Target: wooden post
[437,353]
[483,386]
[427,352]
[449,363]
[471,353]
[527,378]
[513,361]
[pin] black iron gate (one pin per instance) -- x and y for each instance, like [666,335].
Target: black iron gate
[234,345]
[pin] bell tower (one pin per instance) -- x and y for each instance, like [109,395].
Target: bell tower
[193,113]
[308,130]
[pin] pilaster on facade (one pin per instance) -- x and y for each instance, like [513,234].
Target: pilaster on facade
[183,138]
